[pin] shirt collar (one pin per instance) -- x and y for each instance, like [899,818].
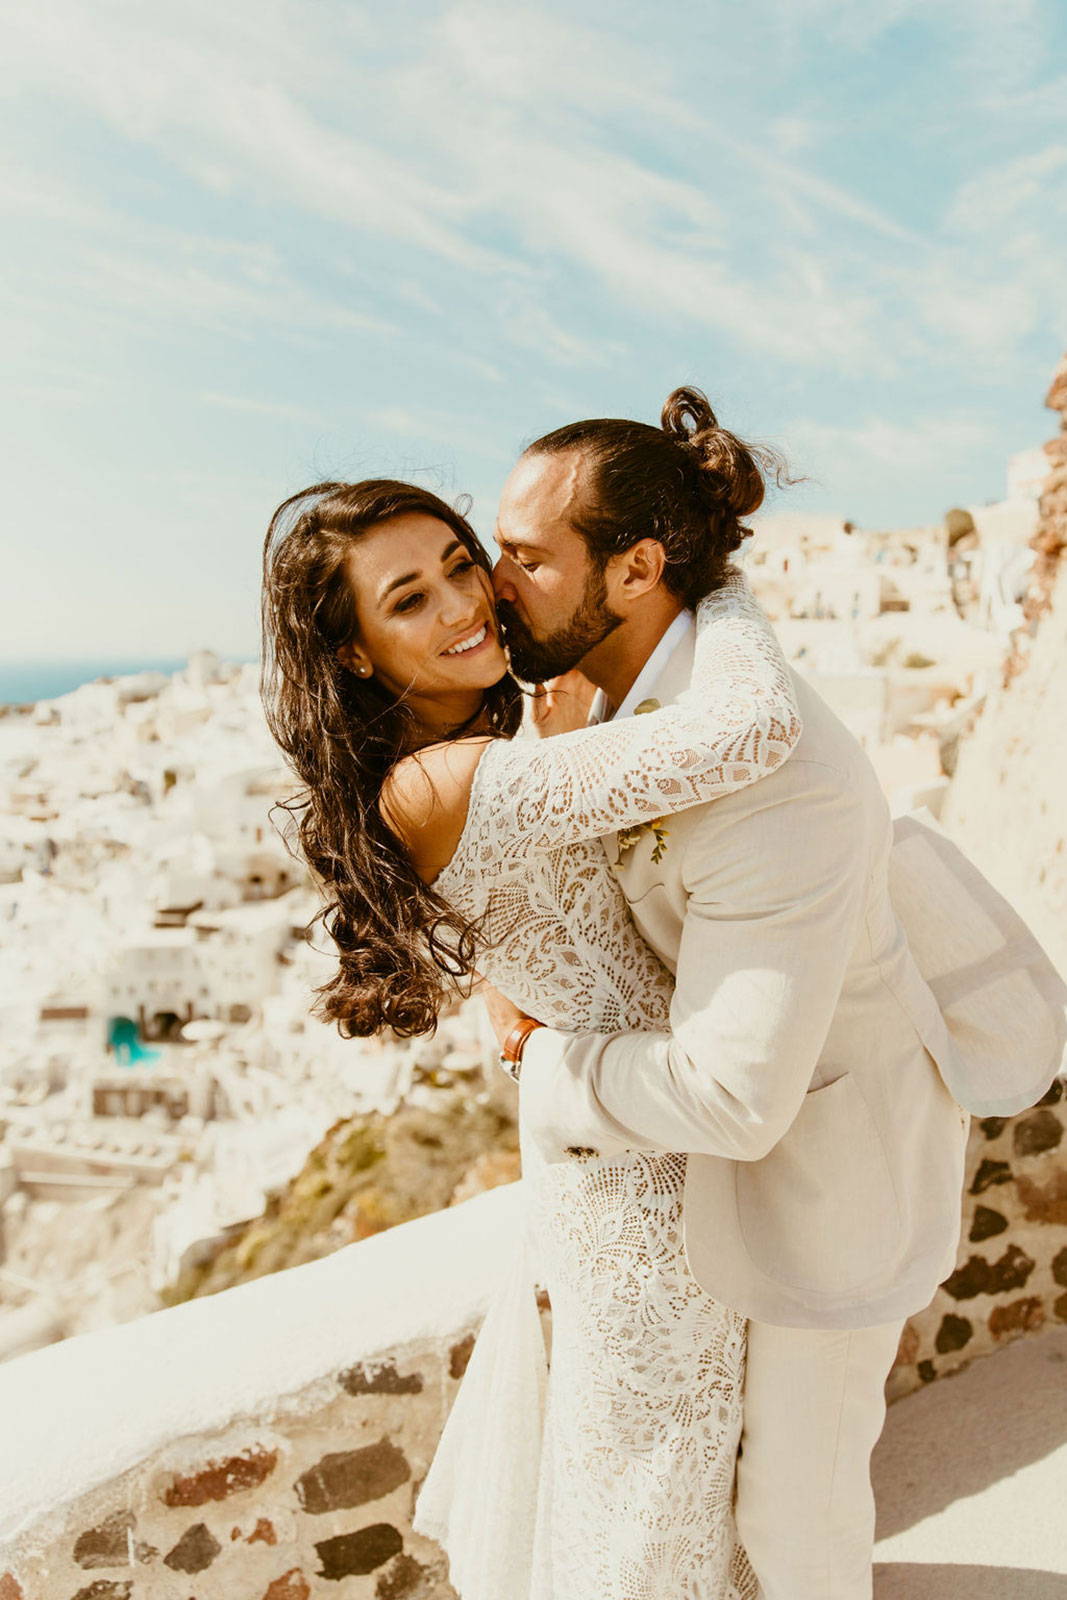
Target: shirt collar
[646,679]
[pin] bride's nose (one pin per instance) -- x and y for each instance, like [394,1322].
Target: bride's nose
[456,609]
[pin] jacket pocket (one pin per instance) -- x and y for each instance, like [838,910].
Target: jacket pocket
[820,1213]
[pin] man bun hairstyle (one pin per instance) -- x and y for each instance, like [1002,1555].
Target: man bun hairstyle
[688,484]
[730,475]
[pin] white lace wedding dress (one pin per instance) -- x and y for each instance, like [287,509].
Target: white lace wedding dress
[609,1477]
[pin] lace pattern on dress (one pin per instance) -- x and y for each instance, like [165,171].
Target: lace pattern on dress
[644,1396]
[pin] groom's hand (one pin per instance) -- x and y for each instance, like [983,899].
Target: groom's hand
[562,704]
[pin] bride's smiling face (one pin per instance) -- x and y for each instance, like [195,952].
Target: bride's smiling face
[426,626]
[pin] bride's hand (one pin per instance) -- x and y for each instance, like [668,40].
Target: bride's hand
[562,704]
[503,1013]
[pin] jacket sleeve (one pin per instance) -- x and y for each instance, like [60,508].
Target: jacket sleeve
[776,896]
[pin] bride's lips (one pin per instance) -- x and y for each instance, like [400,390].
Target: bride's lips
[487,642]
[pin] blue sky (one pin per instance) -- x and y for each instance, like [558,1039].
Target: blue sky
[250,246]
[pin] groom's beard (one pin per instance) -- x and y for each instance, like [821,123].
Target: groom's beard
[534,660]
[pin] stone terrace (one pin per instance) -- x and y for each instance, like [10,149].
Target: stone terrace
[269,1441]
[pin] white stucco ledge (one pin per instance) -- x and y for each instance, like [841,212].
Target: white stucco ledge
[81,1413]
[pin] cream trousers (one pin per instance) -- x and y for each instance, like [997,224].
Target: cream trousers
[814,1408]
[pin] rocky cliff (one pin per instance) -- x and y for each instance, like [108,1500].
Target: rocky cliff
[1008,803]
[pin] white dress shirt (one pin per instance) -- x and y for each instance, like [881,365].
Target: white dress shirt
[647,678]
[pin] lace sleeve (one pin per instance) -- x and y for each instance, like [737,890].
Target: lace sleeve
[736,722]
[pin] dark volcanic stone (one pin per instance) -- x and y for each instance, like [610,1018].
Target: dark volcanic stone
[1022,1316]
[927,1371]
[407,1579]
[352,1477]
[972,1278]
[993,1127]
[1045,1202]
[106,1589]
[979,1276]
[1012,1270]
[990,1172]
[379,1380]
[1059,1308]
[1054,1094]
[106,1545]
[459,1355]
[218,1479]
[292,1585]
[1040,1131]
[353,1553]
[953,1334]
[986,1224]
[1059,1267]
[195,1550]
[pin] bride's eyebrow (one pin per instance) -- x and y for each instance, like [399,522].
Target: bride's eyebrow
[410,577]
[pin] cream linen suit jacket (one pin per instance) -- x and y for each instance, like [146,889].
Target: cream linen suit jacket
[825,1153]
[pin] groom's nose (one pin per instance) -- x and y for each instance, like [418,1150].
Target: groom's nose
[503,587]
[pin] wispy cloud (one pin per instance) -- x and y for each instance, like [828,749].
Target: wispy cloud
[505,107]
[272,410]
[844,457]
[454,225]
[161,277]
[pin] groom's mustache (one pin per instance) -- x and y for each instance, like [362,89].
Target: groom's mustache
[510,621]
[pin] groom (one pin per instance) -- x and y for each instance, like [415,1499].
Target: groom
[800,1070]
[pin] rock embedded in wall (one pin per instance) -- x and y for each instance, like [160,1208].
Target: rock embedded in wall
[380,1379]
[292,1585]
[1012,1265]
[352,1555]
[408,1579]
[217,1480]
[195,1550]
[349,1478]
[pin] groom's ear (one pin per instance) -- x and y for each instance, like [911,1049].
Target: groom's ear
[639,569]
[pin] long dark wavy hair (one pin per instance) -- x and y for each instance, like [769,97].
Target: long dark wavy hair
[401,948]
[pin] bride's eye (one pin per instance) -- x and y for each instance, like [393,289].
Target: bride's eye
[461,566]
[410,602]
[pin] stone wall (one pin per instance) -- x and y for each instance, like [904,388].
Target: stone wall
[264,1443]
[268,1442]
[1011,1271]
[278,1510]
[1007,808]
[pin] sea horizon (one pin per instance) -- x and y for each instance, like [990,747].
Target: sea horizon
[25,681]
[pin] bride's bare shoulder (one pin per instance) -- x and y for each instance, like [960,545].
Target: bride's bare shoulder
[425,798]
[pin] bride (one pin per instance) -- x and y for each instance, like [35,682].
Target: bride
[449,848]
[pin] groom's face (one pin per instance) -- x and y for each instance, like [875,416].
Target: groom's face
[553,599]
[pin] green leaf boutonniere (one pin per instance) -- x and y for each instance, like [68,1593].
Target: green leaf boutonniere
[628,837]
